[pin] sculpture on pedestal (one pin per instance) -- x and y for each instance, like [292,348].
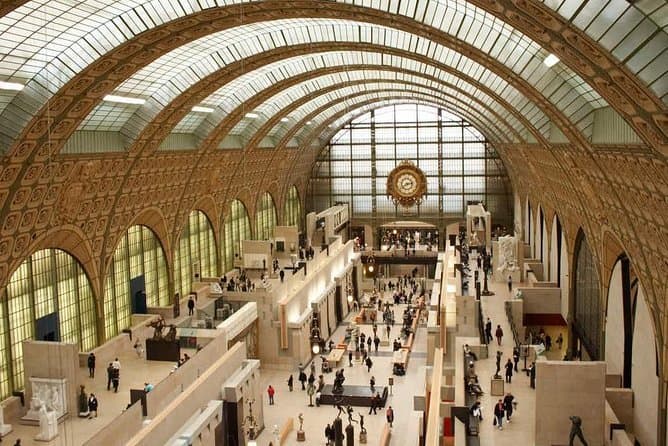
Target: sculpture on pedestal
[576,430]
[338,382]
[48,424]
[49,393]
[83,402]
[158,325]
[301,435]
[4,428]
[507,257]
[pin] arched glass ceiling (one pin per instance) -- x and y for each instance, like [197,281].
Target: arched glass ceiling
[635,33]
[561,86]
[301,133]
[250,84]
[492,125]
[490,122]
[283,99]
[311,114]
[42,31]
[67,38]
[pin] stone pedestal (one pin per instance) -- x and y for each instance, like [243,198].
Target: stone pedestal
[301,436]
[338,432]
[4,428]
[496,387]
[362,437]
[350,435]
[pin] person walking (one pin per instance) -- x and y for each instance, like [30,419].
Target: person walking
[191,305]
[509,371]
[510,284]
[281,274]
[498,414]
[91,365]
[92,406]
[271,392]
[116,364]
[516,357]
[328,434]
[110,375]
[369,341]
[560,341]
[389,415]
[508,403]
[488,331]
[139,348]
[302,379]
[372,383]
[532,375]
[374,404]
[115,379]
[498,363]
[476,410]
[290,383]
[350,359]
[376,342]
[548,342]
[499,334]
[369,363]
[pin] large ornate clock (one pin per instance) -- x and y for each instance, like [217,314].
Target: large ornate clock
[406,184]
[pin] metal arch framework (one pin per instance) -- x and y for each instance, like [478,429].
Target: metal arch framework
[267,126]
[650,127]
[466,109]
[65,126]
[179,108]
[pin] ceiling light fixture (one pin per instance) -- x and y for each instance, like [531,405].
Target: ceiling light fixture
[285,119]
[308,122]
[252,115]
[201,109]
[14,86]
[124,99]
[551,60]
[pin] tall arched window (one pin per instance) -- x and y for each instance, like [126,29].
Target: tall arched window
[265,217]
[293,209]
[48,282]
[588,308]
[196,249]
[237,228]
[460,165]
[139,253]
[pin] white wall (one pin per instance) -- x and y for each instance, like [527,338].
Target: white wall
[645,383]
[546,253]
[614,324]
[554,254]
[565,277]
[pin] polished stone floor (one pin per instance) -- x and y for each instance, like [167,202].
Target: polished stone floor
[290,404]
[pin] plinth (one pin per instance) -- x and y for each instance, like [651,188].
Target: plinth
[301,436]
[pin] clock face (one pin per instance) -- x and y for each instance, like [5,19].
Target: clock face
[406,184]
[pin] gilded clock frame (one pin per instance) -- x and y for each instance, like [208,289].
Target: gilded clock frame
[406,167]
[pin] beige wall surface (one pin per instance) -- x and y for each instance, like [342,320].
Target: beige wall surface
[565,388]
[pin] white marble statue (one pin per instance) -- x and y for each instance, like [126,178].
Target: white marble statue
[48,393]
[4,428]
[507,259]
[48,424]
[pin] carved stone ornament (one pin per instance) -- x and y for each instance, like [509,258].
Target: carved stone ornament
[406,184]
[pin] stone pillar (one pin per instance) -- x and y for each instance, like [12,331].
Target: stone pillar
[350,435]
[338,432]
